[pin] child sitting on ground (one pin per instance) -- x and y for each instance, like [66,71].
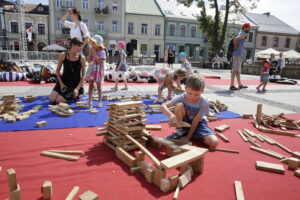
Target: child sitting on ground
[167,82]
[190,107]
[264,75]
[95,72]
[184,65]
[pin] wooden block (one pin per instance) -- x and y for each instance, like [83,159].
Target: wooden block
[73,193]
[264,151]
[144,165]
[162,141]
[126,157]
[158,175]
[276,132]
[258,113]
[149,174]
[40,124]
[174,180]
[15,194]
[140,156]
[242,135]
[182,125]
[268,140]
[89,195]
[22,117]
[270,167]
[183,158]
[225,150]
[293,163]
[165,184]
[296,154]
[59,155]
[180,142]
[222,128]
[247,116]
[101,129]
[198,165]
[71,152]
[297,173]
[284,148]
[47,190]
[170,149]
[11,179]
[134,170]
[101,134]
[175,197]
[185,178]
[238,190]
[223,137]
[153,127]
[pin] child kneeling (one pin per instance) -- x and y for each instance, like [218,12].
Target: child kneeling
[190,107]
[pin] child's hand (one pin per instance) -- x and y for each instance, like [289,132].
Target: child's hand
[172,120]
[97,59]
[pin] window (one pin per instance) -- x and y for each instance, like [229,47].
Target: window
[101,25]
[182,30]
[193,31]
[69,3]
[101,4]
[41,9]
[172,29]
[130,28]
[275,42]
[14,26]
[58,3]
[264,41]
[144,49]
[28,25]
[58,24]
[114,26]
[144,29]
[86,21]
[157,29]
[41,29]
[85,4]
[115,6]
[287,42]
[250,37]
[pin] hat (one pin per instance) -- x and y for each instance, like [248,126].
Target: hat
[246,25]
[121,44]
[97,39]
[181,54]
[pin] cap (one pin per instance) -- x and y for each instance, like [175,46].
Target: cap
[96,39]
[246,25]
[121,44]
[181,54]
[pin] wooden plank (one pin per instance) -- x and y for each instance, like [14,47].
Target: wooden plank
[59,155]
[144,149]
[276,132]
[165,185]
[162,141]
[180,142]
[158,175]
[222,128]
[185,178]
[268,140]
[238,190]
[297,173]
[183,158]
[89,195]
[15,194]
[11,179]
[293,163]
[73,193]
[153,127]
[296,154]
[175,197]
[284,148]
[125,157]
[71,152]
[270,167]
[242,135]
[47,190]
[223,137]
[173,181]
[264,151]
[247,116]
[225,150]
[258,113]
[149,174]
[182,125]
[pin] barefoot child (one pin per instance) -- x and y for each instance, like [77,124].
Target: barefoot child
[190,107]
[264,75]
[167,82]
[95,72]
[121,67]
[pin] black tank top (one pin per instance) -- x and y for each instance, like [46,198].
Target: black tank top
[71,71]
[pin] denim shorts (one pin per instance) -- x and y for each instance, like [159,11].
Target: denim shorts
[201,130]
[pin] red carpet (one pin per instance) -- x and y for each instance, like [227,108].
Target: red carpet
[100,171]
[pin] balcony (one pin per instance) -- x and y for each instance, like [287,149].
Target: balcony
[101,32]
[65,31]
[102,11]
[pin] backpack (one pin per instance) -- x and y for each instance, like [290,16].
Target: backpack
[230,49]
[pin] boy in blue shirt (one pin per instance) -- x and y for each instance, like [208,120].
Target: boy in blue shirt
[190,107]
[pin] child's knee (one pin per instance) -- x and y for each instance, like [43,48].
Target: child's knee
[211,140]
[179,108]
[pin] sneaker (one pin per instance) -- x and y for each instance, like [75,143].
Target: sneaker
[233,88]
[178,134]
[242,86]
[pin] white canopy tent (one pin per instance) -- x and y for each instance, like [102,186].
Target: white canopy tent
[292,54]
[266,53]
[54,47]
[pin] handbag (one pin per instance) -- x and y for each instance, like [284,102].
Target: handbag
[86,48]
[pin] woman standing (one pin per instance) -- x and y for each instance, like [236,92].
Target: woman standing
[69,85]
[171,57]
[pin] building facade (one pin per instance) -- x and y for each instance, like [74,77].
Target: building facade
[36,16]
[144,29]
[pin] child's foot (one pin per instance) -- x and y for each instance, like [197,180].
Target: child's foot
[125,88]
[159,100]
[99,105]
[258,89]
[114,88]
[178,134]
[264,90]
[90,103]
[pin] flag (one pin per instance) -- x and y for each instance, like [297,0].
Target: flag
[29,33]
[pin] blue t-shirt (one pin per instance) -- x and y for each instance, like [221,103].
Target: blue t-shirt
[239,51]
[199,107]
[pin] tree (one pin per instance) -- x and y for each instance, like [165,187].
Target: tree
[213,26]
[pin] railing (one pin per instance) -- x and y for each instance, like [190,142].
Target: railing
[32,55]
[102,11]
[134,60]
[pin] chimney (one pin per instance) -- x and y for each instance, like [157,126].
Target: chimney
[267,14]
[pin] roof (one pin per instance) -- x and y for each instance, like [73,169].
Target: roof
[270,23]
[29,8]
[176,10]
[142,7]
[239,19]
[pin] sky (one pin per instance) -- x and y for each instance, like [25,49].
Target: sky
[287,10]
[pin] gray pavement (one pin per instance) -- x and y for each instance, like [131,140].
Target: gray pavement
[278,99]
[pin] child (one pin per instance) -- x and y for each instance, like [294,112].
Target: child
[184,65]
[95,72]
[190,107]
[167,82]
[264,75]
[121,65]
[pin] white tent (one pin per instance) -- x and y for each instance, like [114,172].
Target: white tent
[291,54]
[266,53]
[54,47]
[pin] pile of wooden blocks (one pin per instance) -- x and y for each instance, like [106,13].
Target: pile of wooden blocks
[29,98]
[125,131]
[217,106]
[14,187]
[62,109]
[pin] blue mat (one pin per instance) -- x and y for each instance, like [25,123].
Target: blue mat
[78,119]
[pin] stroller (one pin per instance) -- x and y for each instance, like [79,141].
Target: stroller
[276,78]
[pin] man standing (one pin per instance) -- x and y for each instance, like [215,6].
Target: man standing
[281,63]
[237,58]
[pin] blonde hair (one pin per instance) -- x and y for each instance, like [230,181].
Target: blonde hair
[195,82]
[180,72]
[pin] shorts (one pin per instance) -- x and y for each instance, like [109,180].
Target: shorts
[264,78]
[120,73]
[162,86]
[67,94]
[237,63]
[202,129]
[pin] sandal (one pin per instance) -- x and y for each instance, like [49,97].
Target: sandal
[99,105]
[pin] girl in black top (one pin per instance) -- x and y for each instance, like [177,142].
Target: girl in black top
[171,57]
[69,85]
